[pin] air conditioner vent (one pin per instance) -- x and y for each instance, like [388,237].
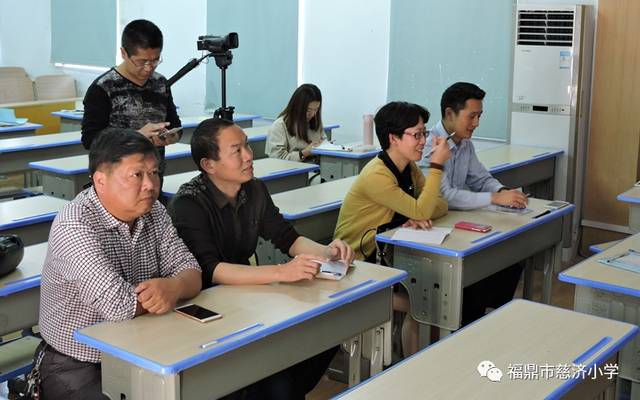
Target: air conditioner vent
[545,28]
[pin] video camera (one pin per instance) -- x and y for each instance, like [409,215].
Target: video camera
[218,44]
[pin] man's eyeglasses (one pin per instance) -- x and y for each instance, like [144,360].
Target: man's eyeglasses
[144,63]
[418,135]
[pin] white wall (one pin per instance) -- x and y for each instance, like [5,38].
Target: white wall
[29,44]
[25,35]
[346,53]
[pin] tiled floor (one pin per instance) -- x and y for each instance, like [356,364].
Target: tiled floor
[562,296]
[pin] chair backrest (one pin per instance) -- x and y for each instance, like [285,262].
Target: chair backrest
[12,72]
[52,87]
[16,90]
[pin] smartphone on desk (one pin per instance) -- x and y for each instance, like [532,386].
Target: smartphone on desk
[197,312]
[472,226]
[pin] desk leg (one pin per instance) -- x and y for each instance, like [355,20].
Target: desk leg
[550,268]
[527,290]
[372,348]
[634,218]
[354,350]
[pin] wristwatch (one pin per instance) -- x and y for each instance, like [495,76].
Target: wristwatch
[302,157]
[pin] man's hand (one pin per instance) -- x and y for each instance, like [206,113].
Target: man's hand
[158,295]
[510,198]
[340,250]
[418,224]
[152,130]
[302,267]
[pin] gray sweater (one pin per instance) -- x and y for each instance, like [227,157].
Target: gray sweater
[282,145]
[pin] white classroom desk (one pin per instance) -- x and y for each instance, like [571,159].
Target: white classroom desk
[15,154]
[20,291]
[632,197]
[438,273]
[600,247]
[523,166]
[30,218]
[65,177]
[614,293]
[19,309]
[71,120]
[279,176]
[264,329]
[27,129]
[312,210]
[343,164]
[521,332]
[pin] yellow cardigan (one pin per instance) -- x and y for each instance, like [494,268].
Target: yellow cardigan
[375,196]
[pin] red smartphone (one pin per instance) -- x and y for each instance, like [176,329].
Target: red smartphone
[472,226]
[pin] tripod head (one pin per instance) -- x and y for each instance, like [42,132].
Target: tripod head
[219,47]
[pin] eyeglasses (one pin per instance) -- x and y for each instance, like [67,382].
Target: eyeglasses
[418,135]
[143,63]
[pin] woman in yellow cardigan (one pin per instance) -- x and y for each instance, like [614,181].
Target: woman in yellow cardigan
[391,188]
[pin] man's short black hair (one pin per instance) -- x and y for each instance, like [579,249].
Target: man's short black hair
[204,142]
[141,34]
[113,144]
[456,95]
[393,118]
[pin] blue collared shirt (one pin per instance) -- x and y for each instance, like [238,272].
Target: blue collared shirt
[466,183]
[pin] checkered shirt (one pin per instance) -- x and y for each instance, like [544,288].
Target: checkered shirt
[93,265]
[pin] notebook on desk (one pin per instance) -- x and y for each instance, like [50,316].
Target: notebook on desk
[629,261]
[326,145]
[8,118]
[435,235]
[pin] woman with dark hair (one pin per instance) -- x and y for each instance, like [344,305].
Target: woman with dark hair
[298,127]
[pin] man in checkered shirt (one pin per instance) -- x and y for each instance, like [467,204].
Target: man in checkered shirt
[113,254]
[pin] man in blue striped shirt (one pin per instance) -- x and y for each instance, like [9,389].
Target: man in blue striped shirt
[467,185]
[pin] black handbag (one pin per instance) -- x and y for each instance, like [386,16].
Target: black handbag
[11,253]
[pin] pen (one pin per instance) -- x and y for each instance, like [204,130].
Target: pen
[542,214]
[432,150]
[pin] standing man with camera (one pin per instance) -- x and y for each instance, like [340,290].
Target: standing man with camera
[132,95]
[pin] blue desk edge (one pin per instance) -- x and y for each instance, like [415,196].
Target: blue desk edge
[596,284]
[482,244]
[346,154]
[230,345]
[533,159]
[628,199]
[39,146]
[28,126]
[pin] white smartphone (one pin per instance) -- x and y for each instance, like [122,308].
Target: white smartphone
[198,313]
[164,134]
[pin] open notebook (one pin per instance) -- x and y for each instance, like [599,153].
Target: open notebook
[435,235]
[629,260]
[326,145]
[334,270]
[8,118]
